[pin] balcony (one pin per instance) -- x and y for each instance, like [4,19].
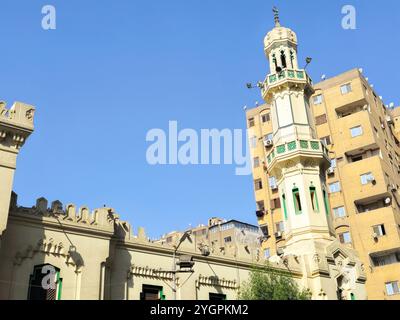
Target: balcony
[311,148]
[276,79]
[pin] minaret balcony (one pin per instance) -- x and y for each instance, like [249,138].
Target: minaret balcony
[285,76]
[295,148]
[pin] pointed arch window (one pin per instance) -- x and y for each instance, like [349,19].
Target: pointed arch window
[326,202]
[292,58]
[45,283]
[283,60]
[284,206]
[275,61]
[297,200]
[314,199]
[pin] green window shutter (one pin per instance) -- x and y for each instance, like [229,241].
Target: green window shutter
[314,199]
[284,206]
[297,201]
[326,202]
[59,286]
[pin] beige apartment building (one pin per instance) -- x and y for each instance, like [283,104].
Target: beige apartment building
[221,235]
[362,136]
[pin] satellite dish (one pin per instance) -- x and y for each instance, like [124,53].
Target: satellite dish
[361,70]
[245,108]
[391,105]
[388,200]
[323,77]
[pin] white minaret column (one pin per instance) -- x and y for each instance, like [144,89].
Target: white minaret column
[16,124]
[298,159]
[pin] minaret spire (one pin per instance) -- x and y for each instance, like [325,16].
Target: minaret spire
[276,16]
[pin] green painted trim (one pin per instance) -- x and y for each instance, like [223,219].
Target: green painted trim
[314,199]
[284,206]
[326,202]
[162,295]
[297,205]
[59,281]
[292,146]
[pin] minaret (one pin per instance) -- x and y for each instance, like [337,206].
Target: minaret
[16,124]
[298,159]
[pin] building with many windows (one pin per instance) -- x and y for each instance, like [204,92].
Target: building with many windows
[362,137]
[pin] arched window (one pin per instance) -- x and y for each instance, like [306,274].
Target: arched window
[296,200]
[45,283]
[284,206]
[314,199]
[275,61]
[326,202]
[292,58]
[283,59]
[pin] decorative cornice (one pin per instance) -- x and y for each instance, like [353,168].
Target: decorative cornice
[216,282]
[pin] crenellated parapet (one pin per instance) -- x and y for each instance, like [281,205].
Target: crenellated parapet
[16,124]
[71,216]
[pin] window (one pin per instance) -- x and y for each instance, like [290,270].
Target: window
[260,205]
[345,237]
[339,212]
[392,288]
[36,290]
[264,230]
[256,162]
[296,200]
[334,187]
[152,293]
[267,253]
[284,206]
[253,142]
[269,136]
[387,259]
[216,296]
[345,89]
[366,178]
[327,140]
[326,202]
[272,183]
[318,99]
[379,230]
[280,226]
[251,122]
[258,184]
[265,117]
[314,199]
[228,239]
[275,203]
[321,119]
[356,131]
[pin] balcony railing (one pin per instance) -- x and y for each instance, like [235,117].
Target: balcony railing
[297,75]
[297,145]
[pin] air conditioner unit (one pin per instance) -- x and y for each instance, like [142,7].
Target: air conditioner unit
[268,143]
[389,120]
[260,213]
[375,235]
[274,187]
[278,234]
[393,187]
[331,170]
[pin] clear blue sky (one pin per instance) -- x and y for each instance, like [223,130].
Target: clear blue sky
[115,69]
